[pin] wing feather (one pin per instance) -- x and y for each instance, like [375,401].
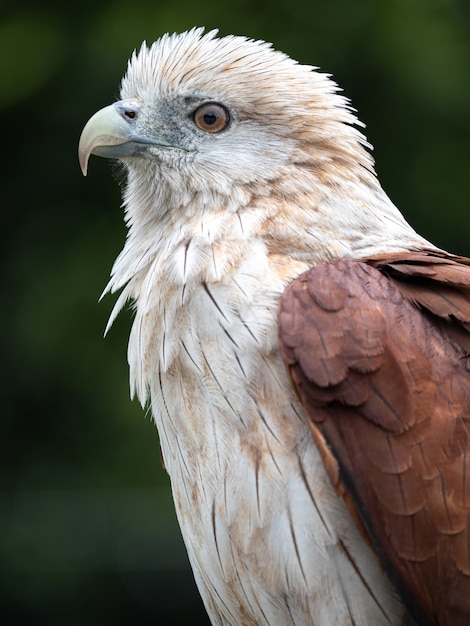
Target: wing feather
[378,351]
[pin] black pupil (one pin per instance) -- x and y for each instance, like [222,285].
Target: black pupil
[210,118]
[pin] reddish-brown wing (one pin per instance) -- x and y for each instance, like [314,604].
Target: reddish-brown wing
[377,351]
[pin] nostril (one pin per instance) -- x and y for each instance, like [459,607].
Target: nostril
[128,109]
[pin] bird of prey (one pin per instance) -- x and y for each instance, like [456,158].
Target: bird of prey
[304,351]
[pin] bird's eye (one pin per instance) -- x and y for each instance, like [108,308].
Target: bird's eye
[211,117]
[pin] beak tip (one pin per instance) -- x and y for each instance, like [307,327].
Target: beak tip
[84,151]
[83,160]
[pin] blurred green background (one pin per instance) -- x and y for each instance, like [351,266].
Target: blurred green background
[88,533]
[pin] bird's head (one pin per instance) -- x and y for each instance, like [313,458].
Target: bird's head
[227,139]
[222,112]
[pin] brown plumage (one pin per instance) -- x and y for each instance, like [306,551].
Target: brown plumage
[377,350]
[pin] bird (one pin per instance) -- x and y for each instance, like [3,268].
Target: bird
[303,350]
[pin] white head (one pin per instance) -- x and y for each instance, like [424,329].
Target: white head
[231,110]
[211,124]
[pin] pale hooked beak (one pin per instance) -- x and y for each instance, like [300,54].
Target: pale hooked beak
[111,133]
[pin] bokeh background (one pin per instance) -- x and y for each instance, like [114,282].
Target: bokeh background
[87,530]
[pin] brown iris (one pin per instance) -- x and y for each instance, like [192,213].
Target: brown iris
[211,117]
